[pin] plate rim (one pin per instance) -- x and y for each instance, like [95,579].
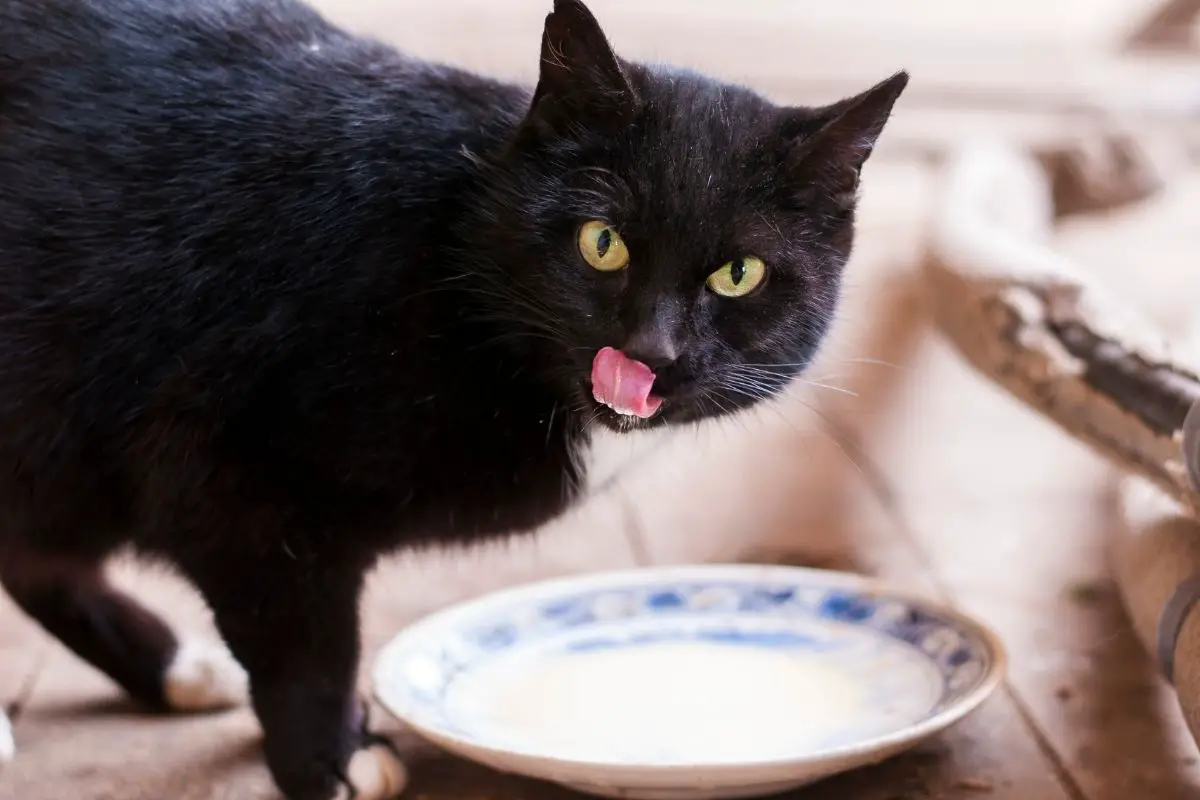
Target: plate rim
[648,775]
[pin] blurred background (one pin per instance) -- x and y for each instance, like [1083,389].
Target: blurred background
[894,458]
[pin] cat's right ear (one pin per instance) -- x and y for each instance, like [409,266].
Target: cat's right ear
[582,83]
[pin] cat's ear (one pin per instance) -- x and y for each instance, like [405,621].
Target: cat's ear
[582,82]
[834,142]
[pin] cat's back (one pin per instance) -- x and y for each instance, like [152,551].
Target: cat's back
[39,36]
[183,179]
[98,45]
[172,100]
[62,20]
[156,135]
[131,73]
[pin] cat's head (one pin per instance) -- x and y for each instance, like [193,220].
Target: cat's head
[690,224]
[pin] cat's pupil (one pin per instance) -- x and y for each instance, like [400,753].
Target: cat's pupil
[603,242]
[737,271]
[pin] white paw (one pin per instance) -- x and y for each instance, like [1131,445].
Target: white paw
[204,677]
[377,773]
[8,746]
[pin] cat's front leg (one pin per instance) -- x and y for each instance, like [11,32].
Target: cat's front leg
[294,626]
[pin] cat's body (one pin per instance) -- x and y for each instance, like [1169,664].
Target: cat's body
[211,315]
[275,300]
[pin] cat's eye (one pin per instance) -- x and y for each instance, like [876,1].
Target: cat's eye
[739,277]
[602,247]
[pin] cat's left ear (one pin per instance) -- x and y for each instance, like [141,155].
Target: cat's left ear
[582,83]
[834,142]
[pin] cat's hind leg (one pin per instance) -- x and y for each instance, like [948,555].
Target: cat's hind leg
[203,676]
[73,601]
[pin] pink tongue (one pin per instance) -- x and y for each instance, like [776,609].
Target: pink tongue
[623,384]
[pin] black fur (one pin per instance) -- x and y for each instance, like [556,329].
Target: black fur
[275,300]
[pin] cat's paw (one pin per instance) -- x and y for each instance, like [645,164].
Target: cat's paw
[8,745]
[375,772]
[203,676]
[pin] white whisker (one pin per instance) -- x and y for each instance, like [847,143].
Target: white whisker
[819,385]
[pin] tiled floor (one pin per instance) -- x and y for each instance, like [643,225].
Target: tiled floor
[938,482]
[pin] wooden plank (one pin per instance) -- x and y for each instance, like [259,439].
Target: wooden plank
[1011,515]
[1011,518]
[990,754]
[1172,26]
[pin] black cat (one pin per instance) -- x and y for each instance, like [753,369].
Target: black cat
[276,300]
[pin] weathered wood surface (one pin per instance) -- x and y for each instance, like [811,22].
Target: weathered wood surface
[1013,516]
[1031,320]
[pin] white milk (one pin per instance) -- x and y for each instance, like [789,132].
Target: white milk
[674,703]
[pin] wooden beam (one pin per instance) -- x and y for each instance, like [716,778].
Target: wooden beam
[1171,27]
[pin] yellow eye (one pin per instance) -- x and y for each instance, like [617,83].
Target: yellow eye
[602,247]
[739,277]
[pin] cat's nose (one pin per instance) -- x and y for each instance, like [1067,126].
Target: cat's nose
[653,347]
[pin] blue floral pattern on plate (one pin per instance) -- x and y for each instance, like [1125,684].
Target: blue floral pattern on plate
[744,606]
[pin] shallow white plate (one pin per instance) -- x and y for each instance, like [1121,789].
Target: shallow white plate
[688,682]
